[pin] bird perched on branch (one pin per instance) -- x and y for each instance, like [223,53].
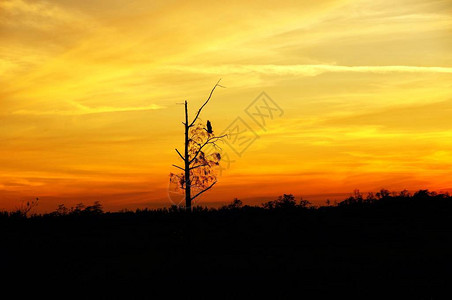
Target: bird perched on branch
[209,127]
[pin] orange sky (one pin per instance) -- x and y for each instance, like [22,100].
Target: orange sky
[88,93]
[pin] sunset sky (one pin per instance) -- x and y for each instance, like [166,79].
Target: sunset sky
[89,92]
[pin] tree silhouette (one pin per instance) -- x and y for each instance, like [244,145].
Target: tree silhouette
[24,209]
[198,175]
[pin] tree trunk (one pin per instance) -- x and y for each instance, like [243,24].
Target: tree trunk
[187,164]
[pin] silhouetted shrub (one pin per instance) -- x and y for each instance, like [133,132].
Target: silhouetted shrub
[383,193]
[95,209]
[235,204]
[285,201]
[304,203]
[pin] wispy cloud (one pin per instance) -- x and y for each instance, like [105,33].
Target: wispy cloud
[39,15]
[305,70]
[83,110]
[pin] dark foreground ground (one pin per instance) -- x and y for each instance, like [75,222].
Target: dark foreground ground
[390,247]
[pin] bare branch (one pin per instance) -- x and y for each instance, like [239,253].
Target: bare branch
[191,168]
[200,109]
[179,167]
[208,141]
[220,137]
[208,188]
[180,154]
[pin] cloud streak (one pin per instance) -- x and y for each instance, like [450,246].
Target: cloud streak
[84,110]
[305,70]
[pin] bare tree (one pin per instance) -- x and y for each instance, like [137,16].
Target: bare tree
[25,208]
[197,174]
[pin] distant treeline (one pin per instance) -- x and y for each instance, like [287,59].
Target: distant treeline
[284,202]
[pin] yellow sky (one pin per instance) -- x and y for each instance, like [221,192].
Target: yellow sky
[88,93]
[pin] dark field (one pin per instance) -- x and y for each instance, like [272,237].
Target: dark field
[393,246]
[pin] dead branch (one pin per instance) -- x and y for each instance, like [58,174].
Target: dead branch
[180,154]
[179,167]
[208,141]
[208,188]
[191,168]
[200,109]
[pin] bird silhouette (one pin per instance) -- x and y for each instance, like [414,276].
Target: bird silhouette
[209,127]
